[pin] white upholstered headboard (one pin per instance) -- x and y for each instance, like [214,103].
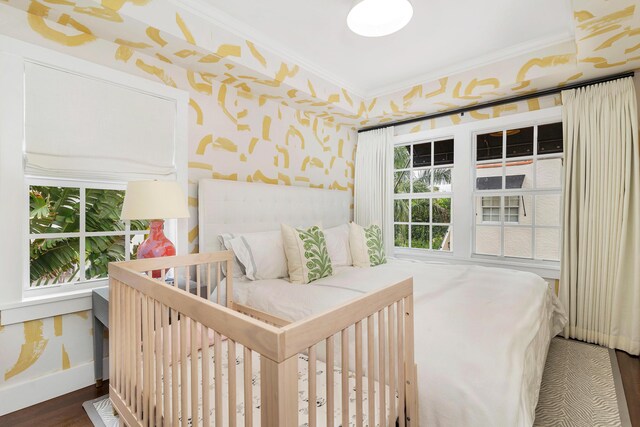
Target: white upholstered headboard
[241,207]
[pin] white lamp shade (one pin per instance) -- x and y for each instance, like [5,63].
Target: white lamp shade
[376,18]
[154,200]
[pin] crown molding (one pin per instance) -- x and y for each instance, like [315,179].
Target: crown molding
[231,24]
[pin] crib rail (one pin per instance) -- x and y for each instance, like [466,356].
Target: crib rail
[178,358]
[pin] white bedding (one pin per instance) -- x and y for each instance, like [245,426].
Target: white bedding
[481,334]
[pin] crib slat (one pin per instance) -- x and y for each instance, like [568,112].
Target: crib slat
[401,385]
[158,362]
[248,387]
[136,356]
[166,392]
[330,398]
[359,374]
[184,380]
[217,351]
[145,361]
[208,275]
[175,384]
[149,353]
[345,376]
[129,356]
[411,386]
[311,374]
[198,280]
[231,350]
[218,279]
[392,365]
[381,364]
[371,414]
[194,372]
[206,379]
[187,279]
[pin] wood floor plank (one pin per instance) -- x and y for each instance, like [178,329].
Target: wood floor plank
[630,373]
[64,411]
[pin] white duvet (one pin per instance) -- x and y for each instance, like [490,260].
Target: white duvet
[481,334]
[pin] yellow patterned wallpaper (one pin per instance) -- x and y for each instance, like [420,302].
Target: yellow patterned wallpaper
[256,117]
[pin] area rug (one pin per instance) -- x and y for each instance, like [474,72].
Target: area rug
[581,386]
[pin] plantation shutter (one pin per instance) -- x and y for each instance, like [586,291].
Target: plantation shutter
[82,127]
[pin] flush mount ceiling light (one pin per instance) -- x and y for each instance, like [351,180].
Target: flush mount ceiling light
[377,18]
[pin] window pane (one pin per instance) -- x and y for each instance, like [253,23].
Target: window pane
[420,210]
[100,251]
[443,152]
[548,244]
[488,240]
[402,157]
[54,261]
[401,235]
[103,208]
[441,238]
[550,138]
[517,242]
[401,182]
[54,210]
[420,236]
[487,209]
[401,210]
[489,177]
[549,173]
[441,179]
[421,181]
[548,209]
[519,175]
[422,155]
[136,239]
[442,210]
[520,142]
[489,146]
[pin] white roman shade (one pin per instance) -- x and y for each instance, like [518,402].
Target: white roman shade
[81,127]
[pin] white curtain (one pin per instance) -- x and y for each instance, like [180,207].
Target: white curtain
[373,188]
[600,279]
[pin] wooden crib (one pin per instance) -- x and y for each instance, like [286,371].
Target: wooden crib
[168,344]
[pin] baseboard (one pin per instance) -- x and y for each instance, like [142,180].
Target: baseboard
[21,395]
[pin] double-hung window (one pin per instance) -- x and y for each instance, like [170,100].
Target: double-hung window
[75,231]
[423,193]
[517,192]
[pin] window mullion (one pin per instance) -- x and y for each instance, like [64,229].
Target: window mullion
[82,243]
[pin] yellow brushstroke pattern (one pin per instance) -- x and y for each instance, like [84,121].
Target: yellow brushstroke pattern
[154,34]
[256,54]
[198,111]
[229,50]
[193,234]
[205,88]
[31,350]
[57,326]
[133,45]
[266,128]
[123,53]
[185,31]
[66,363]
[36,19]
[293,132]
[156,71]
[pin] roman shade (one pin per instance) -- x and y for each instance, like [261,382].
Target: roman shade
[85,128]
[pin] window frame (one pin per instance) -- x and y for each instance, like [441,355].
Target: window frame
[430,195]
[81,234]
[464,177]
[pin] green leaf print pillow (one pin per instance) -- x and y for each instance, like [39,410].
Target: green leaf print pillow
[307,255]
[367,248]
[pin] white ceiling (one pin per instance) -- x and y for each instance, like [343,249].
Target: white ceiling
[444,37]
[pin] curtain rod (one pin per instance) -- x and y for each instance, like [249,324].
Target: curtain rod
[537,94]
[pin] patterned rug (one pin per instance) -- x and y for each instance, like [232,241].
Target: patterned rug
[581,387]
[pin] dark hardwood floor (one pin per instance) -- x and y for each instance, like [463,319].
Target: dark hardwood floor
[630,372]
[63,411]
[67,411]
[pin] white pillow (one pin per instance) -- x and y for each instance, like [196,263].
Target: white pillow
[367,248]
[238,268]
[262,254]
[337,239]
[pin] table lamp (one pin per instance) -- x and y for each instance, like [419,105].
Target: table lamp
[154,201]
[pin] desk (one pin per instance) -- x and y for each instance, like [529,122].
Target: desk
[100,306]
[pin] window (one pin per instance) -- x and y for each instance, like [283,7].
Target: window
[423,194]
[518,192]
[75,231]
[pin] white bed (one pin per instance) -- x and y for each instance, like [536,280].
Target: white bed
[482,334]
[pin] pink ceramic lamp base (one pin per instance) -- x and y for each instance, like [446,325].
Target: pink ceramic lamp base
[156,245]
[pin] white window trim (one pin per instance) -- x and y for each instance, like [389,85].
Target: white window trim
[463,202]
[16,304]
